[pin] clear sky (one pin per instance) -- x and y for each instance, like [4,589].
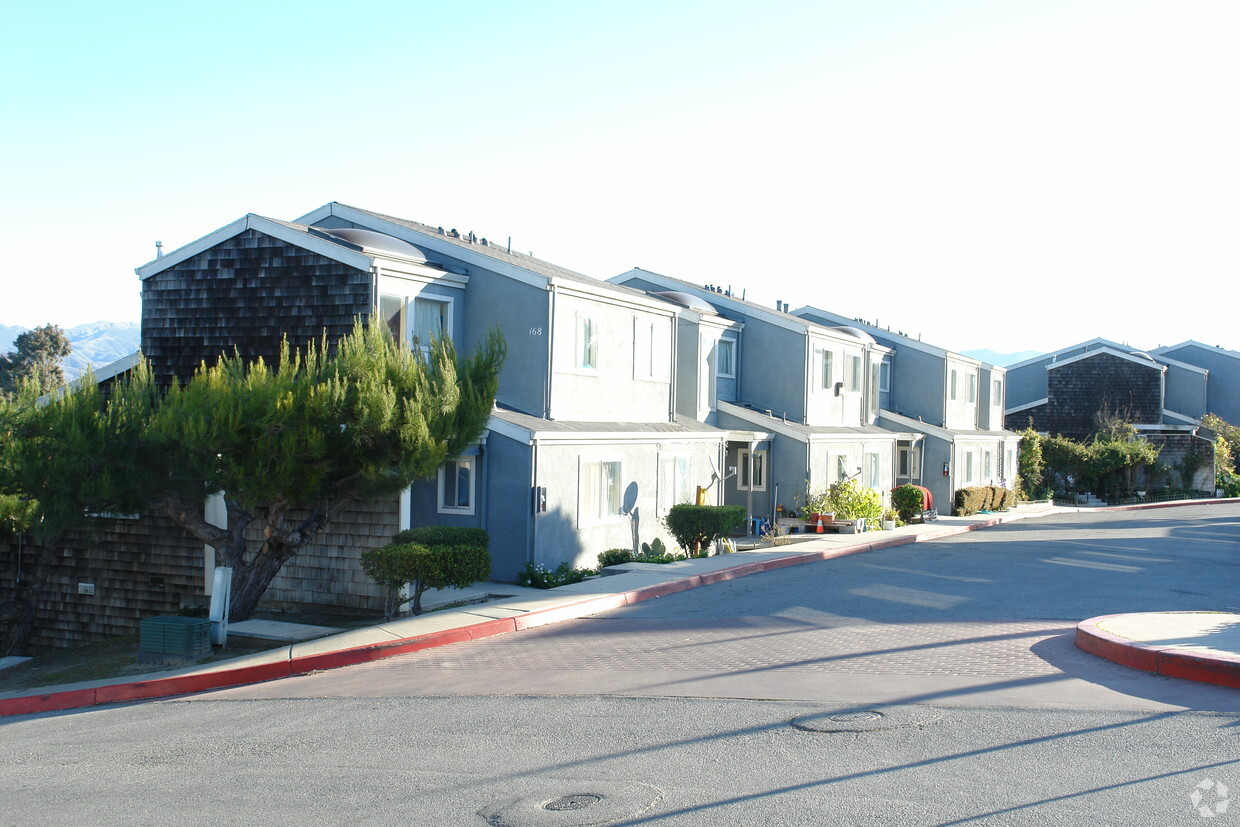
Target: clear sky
[1011,174]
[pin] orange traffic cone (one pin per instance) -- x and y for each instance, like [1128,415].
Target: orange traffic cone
[820,529]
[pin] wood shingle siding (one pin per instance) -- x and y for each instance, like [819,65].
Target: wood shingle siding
[244,294]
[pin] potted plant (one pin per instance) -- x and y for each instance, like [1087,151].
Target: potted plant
[816,505]
[889,519]
[851,501]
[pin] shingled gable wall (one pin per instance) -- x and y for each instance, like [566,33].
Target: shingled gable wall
[245,293]
[1076,392]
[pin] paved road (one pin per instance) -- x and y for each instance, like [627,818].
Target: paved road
[929,684]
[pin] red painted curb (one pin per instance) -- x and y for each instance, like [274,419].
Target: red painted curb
[184,684]
[1221,670]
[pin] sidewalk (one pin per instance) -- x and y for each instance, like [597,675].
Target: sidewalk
[526,609]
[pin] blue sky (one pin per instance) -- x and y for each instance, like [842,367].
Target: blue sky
[1005,174]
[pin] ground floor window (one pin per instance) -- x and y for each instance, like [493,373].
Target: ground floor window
[758,483]
[675,482]
[599,491]
[456,486]
[870,478]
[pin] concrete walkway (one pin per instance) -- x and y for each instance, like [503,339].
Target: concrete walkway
[525,609]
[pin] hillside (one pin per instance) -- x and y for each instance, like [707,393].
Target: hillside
[94,345]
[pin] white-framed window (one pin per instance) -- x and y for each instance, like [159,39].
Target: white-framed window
[987,460]
[1009,466]
[456,486]
[910,462]
[432,318]
[599,491]
[587,342]
[841,468]
[968,467]
[884,375]
[758,482]
[875,372]
[972,388]
[652,349]
[675,482]
[826,369]
[996,394]
[870,477]
[392,311]
[854,374]
[725,358]
[952,386]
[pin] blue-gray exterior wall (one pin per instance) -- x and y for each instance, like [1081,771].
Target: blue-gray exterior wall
[1185,392]
[917,385]
[510,515]
[1223,384]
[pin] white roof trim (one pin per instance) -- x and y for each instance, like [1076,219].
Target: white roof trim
[761,420]
[103,374]
[904,341]
[266,226]
[1053,354]
[1170,414]
[1106,349]
[1222,351]
[1017,409]
[589,291]
[784,320]
[525,436]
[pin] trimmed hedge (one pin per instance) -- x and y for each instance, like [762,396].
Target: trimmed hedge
[908,501]
[983,498]
[428,557]
[443,535]
[696,527]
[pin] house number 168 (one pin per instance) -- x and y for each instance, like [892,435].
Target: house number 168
[535,331]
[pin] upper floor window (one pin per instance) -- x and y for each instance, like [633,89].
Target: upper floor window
[826,367]
[725,358]
[456,486]
[853,383]
[392,311]
[432,319]
[884,375]
[996,395]
[952,386]
[972,387]
[587,342]
[756,482]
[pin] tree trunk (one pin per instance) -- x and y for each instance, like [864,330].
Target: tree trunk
[20,612]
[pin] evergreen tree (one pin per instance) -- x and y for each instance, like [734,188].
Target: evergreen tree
[37,357]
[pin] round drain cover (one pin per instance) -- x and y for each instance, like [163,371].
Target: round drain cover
[876,719]
[577,801]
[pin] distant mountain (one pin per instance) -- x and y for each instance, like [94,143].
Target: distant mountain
[1001,359]
[94,345]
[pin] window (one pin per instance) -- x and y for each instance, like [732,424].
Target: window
[972,388]
[827,368]
[456,486]
[675,482]
[599,493]
[968,467]
[841,468]
[953,385]
[431,320]
[587,342]
[884,375]
[759,472]
[874,376]
[870,477]
[910,462]
[725,358]
[652,349]
[986,462]
[996,395]
[1009,465]
[392,311]
[854,374]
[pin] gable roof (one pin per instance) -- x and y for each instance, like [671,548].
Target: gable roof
[482,252]
[741,305]
[904,341]
[1222,351]
[1089,354]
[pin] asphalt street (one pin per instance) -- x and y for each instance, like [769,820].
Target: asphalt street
[934,683]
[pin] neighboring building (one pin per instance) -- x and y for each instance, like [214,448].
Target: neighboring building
[1223,366]
[799,399]
[1078,390]
[954,401]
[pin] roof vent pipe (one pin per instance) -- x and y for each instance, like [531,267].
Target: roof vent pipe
[159,249]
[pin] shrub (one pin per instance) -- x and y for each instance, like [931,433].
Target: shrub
[424,567]
[443,535]
[850,500]
[972,500]
[615,557]
[538,576]
[909,501]
[696,527]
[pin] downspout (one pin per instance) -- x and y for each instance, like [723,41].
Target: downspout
[749,476]
[671,387]
[550,350]
[533,502]
[806,379]
[484,460]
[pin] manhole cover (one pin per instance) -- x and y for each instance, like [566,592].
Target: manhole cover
[877,719]
[856,716]
[578,801]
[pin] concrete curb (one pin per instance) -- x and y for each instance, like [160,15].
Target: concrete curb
[1220,669]
[297,664]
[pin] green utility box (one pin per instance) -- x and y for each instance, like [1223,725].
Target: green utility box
[171,640]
